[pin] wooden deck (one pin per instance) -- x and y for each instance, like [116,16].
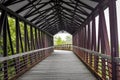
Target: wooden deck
[61,65]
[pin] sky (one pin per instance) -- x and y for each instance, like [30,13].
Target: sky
[64,34]
[118,14]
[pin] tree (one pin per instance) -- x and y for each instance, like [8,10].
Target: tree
[58,41]
[68,39]
[12,29]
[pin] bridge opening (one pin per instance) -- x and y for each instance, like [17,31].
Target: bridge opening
[62,37]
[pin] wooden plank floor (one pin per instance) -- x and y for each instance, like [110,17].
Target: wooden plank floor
[61,65]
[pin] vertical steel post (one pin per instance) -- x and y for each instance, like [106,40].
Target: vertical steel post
[36,44]
[89,45]
[25,42]
[39,39]
[28,37]
[85,38]
[17,45]
[94,43]
[5,52]
[25,37]
[2,16]
[31,44]
[88,42]
[114,36]
[105,48]
[101,25]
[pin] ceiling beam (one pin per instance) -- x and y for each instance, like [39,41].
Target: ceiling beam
[43,24]
[71,11]
[81,11]
[11,2]
[50,24]
[28,5]
[49,9]
[85,5]
[34,11]
[44,17]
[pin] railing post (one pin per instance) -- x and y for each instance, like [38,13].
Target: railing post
[94,43]
[31,44]
[5,53]
[114,36]
[88,42]
[17,46]
[25,42]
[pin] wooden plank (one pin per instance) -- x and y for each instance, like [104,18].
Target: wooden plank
[61,65]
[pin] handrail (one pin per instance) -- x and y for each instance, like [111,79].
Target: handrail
[108,57]
[33,57]
[22,54]
[63,47]
[116,59]
[100,64]
[94,52]
[19,63]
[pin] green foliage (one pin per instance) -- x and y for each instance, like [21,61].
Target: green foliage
[58,40]
[22,34]
[68,39]
[12,28]
[1,45]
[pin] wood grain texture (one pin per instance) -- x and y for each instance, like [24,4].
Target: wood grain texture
[61,65]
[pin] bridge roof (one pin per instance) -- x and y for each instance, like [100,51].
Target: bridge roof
[54,15]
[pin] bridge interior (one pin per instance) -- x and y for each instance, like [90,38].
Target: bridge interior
[61,65]
[27,28]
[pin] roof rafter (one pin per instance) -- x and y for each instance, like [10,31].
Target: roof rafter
[11,2]
[42,14]
[71,11]
[25,7]
[44,17]
[34,11]
[81,11]
[44,24]
[85,5]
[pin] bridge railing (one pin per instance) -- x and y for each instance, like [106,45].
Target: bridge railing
[63,47]
[13,66]
[100,64]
